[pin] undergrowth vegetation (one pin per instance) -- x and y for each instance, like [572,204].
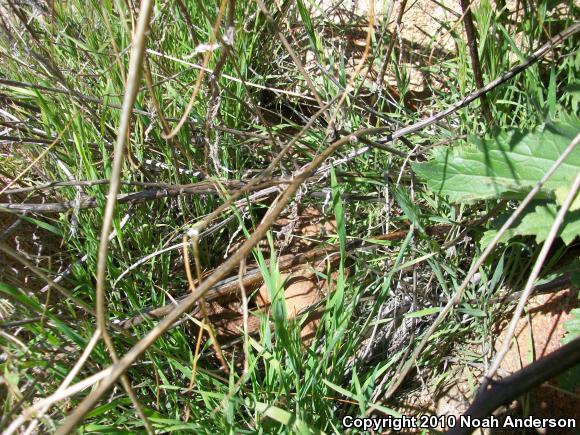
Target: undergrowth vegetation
[405,302]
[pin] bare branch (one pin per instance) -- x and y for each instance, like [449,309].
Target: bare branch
[204,188]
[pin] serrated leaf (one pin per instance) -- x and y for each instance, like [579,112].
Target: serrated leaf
[511,163]
[537,222]
[541,220]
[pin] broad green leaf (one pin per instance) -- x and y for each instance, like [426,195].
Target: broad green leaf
[537,222]
[540,221]
[510,163]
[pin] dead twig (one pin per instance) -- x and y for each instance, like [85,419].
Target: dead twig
[89,183]
[203,188]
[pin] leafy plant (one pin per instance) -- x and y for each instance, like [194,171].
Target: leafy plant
[507,166]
